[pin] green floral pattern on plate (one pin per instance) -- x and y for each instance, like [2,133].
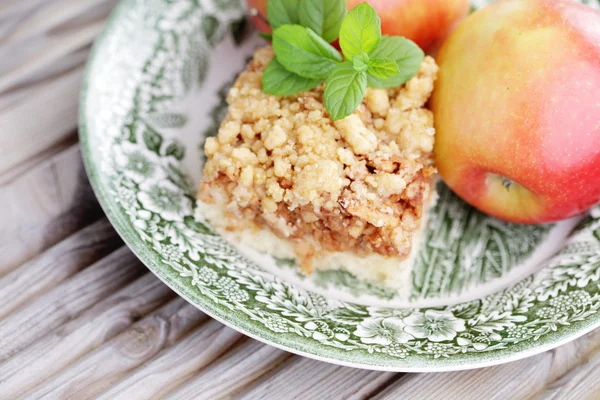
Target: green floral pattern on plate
[157,53]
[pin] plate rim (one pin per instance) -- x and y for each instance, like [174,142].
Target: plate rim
[127,234]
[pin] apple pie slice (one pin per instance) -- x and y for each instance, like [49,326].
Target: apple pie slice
[284,178]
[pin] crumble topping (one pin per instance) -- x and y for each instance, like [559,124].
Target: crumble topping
[358,184]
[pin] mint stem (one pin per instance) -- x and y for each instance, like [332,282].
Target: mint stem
[255,13]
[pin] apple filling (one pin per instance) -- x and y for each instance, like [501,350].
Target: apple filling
[281,171]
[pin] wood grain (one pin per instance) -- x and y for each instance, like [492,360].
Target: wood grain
[581,381]
[582,384]
[314,379]
[525,379]
[67,300]
[239,368]
[44,206]
[39,38]
[61,347]
[165,373]
[114,360]
[58,15]
[13,13]
[50,126]
[57,264]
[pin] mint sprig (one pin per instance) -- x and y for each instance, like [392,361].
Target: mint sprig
[361,62]
[407,55]
[282,12]
[304,58]
[280,82]
[383,68]
[360,32]
[324,17]
[303,52]
[344,90]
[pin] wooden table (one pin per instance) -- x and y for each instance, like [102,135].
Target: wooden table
[81,317]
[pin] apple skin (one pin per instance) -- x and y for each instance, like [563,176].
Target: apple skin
[426,22]
[518,97]
[261,7]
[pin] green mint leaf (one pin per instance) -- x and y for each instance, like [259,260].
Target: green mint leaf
[360,31]
[266,36]
[361,62]
[282,12]
[278,81]
[344,91]
[407,55]
[325,17]
[303,52]
[383,68]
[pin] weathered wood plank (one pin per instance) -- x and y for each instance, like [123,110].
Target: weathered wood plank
[114,360]
[12,8]
[580,383]
[57,264]
[31,163]
[74,339]
[571,356]
[518,381]
[31,83]
[304,378]
[67,300]
[59,13]
[522,379]
[238,368]
[50,51]
[167,371]
[51,125]
[34,43]
[14,96]
[44,206]
[14,12]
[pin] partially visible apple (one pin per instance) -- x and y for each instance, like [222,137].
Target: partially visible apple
[260,20]
[517,110]
[426,22]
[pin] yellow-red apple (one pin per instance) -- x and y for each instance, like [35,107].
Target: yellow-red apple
[259,20]
[426,22]
[517,110]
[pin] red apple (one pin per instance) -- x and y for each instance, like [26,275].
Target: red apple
[426,22]
[517,110]
[260,20]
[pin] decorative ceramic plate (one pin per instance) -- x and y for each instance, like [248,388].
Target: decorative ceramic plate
[483,291]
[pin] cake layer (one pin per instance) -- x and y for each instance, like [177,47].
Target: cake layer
[356,187]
